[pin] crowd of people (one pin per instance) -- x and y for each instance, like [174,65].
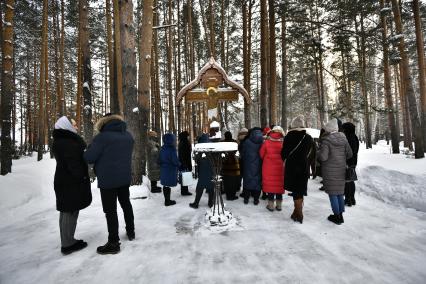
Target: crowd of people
[268,163]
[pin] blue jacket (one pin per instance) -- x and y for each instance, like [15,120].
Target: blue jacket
[205,169]
[168,161]
[111,153]
[252,169]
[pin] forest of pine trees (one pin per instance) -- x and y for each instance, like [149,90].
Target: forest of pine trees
[357,60]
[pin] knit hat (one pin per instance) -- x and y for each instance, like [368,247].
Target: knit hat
[331,126]
[266,130]
[278,129]
[65,124]
[298,122]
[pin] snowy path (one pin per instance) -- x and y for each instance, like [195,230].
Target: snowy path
[379,242]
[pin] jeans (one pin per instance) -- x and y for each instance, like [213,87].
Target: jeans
[272,196]
[67,225]
[109,203]
[337,204]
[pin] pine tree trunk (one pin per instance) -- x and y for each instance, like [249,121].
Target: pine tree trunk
[42,91]
[191,41]
[128,57]
[407,81]
[61,105]
[7,87]
[211,27]
[422,67]
[86,71]
[387,84]
[263,63]
[284,72]
[110,47]
[169,70]
[272,65]
[145,46]
[117,104]
[158,113]
[246,64]
[56,46]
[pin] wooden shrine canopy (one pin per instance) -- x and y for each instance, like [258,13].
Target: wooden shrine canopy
[211,86]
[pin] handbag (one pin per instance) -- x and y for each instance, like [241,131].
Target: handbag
[187,178]
[351,174]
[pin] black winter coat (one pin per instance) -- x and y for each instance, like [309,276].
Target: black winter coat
[296,172]
[71,183]
[111,153]
[184,152]
[349,130]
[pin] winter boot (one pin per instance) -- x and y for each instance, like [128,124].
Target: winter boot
[270,205]
[264,195]
[154,187]
[80,244]
[211,199]
[246,196]
[278,206]
[335,219]
[131,235]
[109,248]
[167,201]
[184,191]
[256,195]
[297,215]
[198,194]
[341,220]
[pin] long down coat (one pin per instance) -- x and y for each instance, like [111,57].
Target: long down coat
[297,162]
[71,183]
[333,153]
[153,154]
[168,161]
[272,165]
[252,170]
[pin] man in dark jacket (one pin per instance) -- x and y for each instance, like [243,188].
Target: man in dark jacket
[111,154]
[349,130]
[184,153]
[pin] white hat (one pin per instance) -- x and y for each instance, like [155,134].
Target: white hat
[298,122]
[278,128]
[331,126]
[65,124]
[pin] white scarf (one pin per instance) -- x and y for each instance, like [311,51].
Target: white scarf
[65,124]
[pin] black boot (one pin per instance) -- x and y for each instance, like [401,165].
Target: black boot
[80,244]
[211,198]
[256,195]
[154,187]
[198,194]
[246,196]
[335,219]
[131,235]
[184,191]
[167,201]
[109,248]
[353,202]
[341,220]
[264,196]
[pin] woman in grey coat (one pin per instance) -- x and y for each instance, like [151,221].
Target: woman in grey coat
[153,167]
[333,153]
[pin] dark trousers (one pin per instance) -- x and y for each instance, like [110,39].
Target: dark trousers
[109,204]
[350,192]
[231,185]
[254,193]
[273,196]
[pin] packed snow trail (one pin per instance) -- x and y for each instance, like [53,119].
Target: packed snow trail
[380,242]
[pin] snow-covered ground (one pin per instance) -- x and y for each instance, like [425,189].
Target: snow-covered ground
[383,239]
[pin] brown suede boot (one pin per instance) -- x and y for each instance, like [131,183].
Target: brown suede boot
[298,210]
[270,205]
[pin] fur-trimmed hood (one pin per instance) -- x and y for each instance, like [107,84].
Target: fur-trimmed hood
[116,121]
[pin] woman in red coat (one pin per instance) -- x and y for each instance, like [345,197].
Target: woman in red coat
[273,168]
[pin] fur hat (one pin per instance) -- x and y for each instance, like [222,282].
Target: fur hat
[278,129]
[298,122]
[331,126]
[152,134]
